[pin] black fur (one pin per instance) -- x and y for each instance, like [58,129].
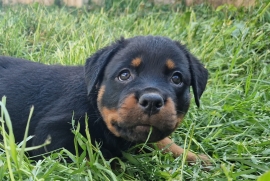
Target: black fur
[59,93]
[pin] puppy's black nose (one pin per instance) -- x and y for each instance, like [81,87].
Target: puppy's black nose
[151,103]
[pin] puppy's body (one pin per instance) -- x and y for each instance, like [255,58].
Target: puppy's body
[127,89]
[57,93]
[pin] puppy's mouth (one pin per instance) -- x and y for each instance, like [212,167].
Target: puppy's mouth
[143,128]
[139,133]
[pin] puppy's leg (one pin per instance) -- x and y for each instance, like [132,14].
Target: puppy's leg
[176,150]
[59,132]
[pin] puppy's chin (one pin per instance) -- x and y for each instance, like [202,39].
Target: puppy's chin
[141,133]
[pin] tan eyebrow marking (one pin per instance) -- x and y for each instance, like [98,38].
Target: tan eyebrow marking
[136,62]
[170,64]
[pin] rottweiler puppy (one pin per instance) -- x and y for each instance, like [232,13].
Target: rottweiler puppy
[131,90]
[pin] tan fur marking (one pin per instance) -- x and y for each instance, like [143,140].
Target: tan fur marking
[136,62]
[109,116]
[130,102]
[170,64]
[100,93]
[170,106]
[167,112]
[180,119]
[130,110]
[177,151]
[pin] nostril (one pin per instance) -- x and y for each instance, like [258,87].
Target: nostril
[159,104]
[144,103]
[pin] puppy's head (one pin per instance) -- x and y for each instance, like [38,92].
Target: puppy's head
[143,86]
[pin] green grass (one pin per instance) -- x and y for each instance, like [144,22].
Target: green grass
[233,124]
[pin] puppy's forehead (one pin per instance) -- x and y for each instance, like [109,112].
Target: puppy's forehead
[154,47]
[148,55]
[151,50]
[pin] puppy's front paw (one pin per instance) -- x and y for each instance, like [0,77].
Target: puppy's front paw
[205,160]
[202,158]
[168,146]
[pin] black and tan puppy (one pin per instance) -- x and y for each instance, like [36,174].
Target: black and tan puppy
[127,89]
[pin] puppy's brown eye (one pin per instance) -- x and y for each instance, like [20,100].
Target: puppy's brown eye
[177,78]
[124,75]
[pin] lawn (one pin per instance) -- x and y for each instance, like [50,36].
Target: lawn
[232,125]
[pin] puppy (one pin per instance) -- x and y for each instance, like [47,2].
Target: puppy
[133,90]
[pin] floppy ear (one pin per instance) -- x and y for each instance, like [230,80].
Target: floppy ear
[96,64]
[199,74]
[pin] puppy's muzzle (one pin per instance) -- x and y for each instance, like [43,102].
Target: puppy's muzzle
[151,103]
